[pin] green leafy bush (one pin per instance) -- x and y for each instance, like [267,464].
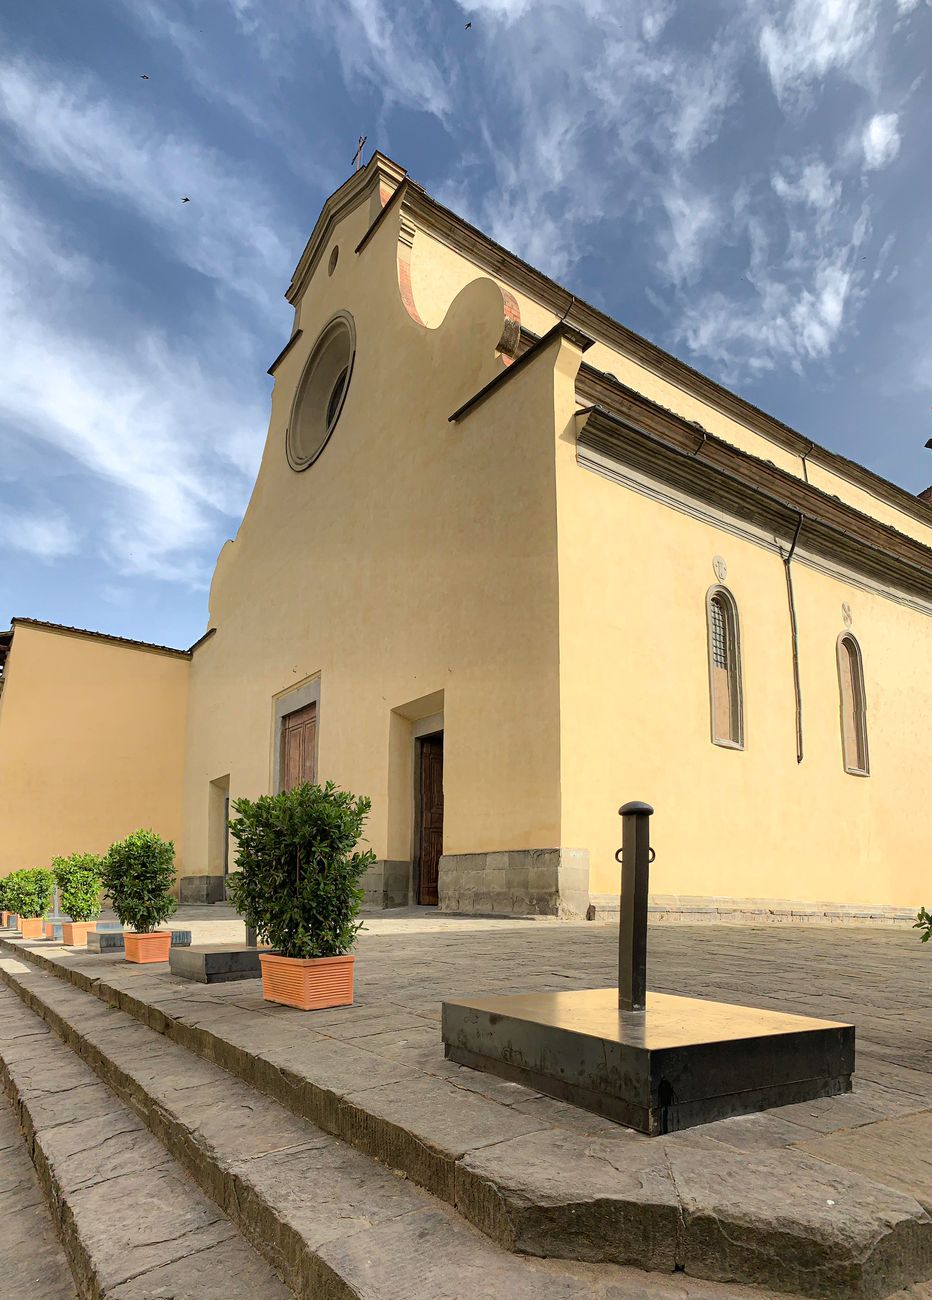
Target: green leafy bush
[4,891]
[30,891]
[138,873]
[12,892]
[298,878]
[924,922]
[79,885]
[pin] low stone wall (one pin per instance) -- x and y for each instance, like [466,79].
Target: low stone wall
[387,884]
[521,882]
[686,909]
[202,889]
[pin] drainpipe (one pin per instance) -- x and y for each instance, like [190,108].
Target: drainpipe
[808,452]
[794,631]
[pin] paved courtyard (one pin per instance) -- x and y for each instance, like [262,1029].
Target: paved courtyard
[374,1076]
[409,960]
[879,979]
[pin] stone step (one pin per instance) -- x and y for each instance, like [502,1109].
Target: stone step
[32,1262]
[780,1218]
[133,1224]
[334,1224]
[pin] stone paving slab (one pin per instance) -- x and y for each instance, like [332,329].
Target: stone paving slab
[900,1150]
[130,1220]
[333,1223]
[761,1216]
[313,1070]
[32,1261]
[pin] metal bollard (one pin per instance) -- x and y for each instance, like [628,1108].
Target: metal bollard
[635,856]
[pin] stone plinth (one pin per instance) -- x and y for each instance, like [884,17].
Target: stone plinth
[202,889]
[522,882]
[682,1062]
[112,940]
[215,963]
[387,883]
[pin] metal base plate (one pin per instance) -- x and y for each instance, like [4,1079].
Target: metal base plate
[682,1062]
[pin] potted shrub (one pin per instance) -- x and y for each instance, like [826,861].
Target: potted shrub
[4,903]
[9,900]
[11,893]
[79,885]
[298,885]
[30,893]
[138,874]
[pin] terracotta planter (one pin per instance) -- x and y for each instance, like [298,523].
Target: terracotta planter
[307,983]
[31,927]
[147,947]
[4,918]
[74,933]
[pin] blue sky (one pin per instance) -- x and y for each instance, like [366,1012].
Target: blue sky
[746,183]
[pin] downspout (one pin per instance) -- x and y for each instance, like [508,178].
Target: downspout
[808,452]
[794,631]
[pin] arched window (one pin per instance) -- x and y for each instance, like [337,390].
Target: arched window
[853,706]
[725,669]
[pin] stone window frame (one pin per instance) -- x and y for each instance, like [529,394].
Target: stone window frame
[289,701]
[727,602]
[340,322]
[847,647]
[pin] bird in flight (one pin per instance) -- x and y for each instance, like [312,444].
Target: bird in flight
[143,76]
[467,27]
[185,200]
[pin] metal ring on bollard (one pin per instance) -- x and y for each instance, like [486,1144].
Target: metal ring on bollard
[619,856]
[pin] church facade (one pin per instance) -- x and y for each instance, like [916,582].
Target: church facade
[506,566]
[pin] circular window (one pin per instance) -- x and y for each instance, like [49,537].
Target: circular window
[334,258]
[321,392]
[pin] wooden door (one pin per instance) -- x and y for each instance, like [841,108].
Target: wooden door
[299,747]
[431,814]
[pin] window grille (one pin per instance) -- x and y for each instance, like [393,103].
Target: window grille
[719,636]
[725,669]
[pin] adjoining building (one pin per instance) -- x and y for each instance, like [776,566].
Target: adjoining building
[507,565]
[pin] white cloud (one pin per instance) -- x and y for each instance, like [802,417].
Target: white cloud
[228,231]
[156,437]
[881,140]
[814,186]
[507,10]
[797,309]
[655,18]
[811,38]
[45,534]
[694,220]
[375,45]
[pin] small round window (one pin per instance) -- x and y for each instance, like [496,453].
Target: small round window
[321,392]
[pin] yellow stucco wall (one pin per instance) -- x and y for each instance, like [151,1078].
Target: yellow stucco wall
[635,715]
[91,745]
[555,618]
[415,561]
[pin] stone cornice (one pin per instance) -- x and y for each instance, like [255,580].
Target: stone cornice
[443,224]
[560,330]
[378,170]
[496,260]
[62,629]
[672,451]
